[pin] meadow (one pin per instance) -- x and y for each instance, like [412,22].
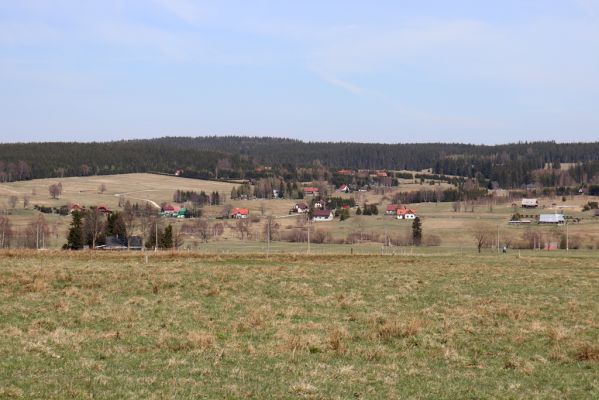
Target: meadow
[187,325]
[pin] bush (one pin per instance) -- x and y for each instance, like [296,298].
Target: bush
[431,240]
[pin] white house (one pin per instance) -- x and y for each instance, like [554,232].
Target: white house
[530,203]
[551,219]
[322,215]
[301,208]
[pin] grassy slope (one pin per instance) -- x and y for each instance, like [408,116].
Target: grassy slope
[111,326]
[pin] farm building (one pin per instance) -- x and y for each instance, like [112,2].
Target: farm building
[551,219]
[121,243]
[311,191]
[169,210]
[301,208]
[322,215]
[240,213]
[530,203]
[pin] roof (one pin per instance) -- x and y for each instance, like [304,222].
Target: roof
[242,211]
[551,218]
[170,207]
[403,211]
[392,207]
[311,189]
[322,213]
[120,242]
[303,206]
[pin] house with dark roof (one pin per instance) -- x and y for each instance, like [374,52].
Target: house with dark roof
[322,215]
[301,208]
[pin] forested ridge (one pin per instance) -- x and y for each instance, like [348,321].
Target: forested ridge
[509,164]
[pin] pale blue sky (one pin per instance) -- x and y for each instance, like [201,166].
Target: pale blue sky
[386,71]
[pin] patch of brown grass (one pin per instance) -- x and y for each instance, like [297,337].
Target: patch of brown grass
[394,329]
[587,352]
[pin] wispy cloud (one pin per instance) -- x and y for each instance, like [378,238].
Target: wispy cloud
[186,10]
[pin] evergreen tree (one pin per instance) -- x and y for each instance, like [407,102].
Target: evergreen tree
[115,225]
[167,238]
[417,231]
[359,211]
[75,237]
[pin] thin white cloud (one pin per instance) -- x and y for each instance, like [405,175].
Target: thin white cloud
[340,83]
[185,10]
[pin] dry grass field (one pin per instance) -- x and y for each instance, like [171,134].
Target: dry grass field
[110,326]
[85,190]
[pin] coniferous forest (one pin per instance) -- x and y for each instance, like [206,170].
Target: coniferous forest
[234,157]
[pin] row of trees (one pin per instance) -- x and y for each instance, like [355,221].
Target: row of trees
[200,199]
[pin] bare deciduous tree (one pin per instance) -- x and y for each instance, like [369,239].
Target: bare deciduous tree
[271,229]
[25,200]
[102,188]
[12,201]
[55,190]
[93,226]
[243,228]
[5,232]
[36,233]
[483,234]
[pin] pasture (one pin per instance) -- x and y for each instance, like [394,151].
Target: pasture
[184,325]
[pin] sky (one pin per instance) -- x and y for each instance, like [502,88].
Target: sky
[370,71]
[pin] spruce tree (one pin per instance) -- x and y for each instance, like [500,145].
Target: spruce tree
[417,231]
[75,237]
[167,238]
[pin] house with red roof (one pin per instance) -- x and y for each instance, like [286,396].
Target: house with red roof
[104,210]
[240,213]
[311,191]
[344,188]
[405,213]
[391,209]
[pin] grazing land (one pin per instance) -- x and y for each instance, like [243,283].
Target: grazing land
[185,325]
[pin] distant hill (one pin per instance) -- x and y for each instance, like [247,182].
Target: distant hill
[508,164]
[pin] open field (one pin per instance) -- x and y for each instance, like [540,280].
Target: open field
[91,325]
[85,190]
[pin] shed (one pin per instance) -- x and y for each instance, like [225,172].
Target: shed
[551,219]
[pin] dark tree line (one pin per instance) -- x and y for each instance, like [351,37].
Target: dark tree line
[508,165]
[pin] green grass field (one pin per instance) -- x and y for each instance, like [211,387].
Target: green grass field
[185,325]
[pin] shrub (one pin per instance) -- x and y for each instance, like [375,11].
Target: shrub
[431,240]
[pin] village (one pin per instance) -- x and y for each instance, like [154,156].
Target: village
[384,211]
